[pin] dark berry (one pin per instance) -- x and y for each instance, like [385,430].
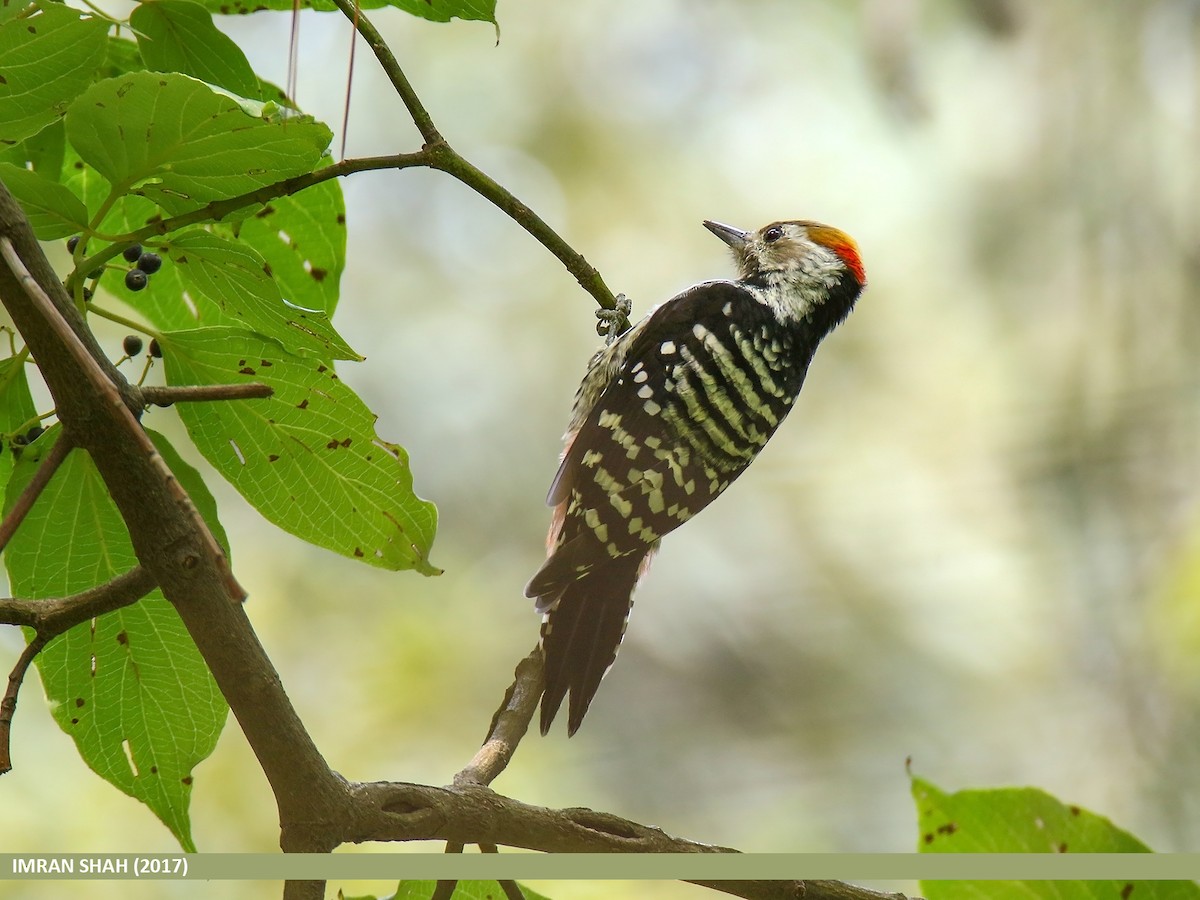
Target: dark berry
[149,262]
[19,440]
[132,252]
[34,433]
[87,294]
[72,243]
[155,350]
[132,345]
[96,273]
[135,279]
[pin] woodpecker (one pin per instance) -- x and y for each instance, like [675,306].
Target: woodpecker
[667,416]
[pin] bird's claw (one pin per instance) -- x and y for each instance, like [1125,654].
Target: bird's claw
[614,322]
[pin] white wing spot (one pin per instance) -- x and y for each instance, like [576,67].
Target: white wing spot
[641,376]
[667,347]
[645,392]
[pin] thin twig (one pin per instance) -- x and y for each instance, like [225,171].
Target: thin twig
[192,393]
[512,890]
[444,890]
[395,74]
[24,503]
[440,155]
[509,723]
[8,706]
[219,209]
[49,619]
[111,397]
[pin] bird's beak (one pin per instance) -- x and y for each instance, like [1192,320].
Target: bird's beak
[734,237]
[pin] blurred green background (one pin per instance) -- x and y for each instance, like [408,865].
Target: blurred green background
[976,542]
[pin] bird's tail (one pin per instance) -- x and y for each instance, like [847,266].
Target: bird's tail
[581,633]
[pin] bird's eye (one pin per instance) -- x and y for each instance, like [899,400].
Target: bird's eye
[772,234]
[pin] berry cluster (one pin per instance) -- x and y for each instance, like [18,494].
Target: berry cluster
[145,264]
[19,442]
[132,346]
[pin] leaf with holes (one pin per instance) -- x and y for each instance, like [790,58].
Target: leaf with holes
[129,687]
[232,275]
[303,239]
[45,61]
[53,211]
[188,140]
[179,36]
[41,153]
[308,457]
[1026,820]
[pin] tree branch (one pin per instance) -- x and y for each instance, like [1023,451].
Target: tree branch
[509,724]
[111,398]
[49,619]
[440,155]
[170,539]
[219,209]
[24,503]
[416,109]
[188,393]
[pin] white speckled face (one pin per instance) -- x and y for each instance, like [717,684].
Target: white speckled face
[785,250]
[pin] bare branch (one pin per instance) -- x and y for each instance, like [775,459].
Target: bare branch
[49,619]
[53,617]
[189,393]
[219,209]
[438,154]
[20,509]
[8,706]
[416,109]
[509,724]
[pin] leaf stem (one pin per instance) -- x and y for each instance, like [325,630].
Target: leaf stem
[121,320]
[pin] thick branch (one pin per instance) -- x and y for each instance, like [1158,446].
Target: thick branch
[472,814]
[170,540]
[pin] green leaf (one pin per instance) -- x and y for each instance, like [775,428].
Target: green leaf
[433,10]
[41,153]
[303,239]
[232,275]
[121,56]
[10,8]
[16,410]
[1025,820]
[307,458]
[179,36]
[45,61]
[129,687]
[53,211]
[189,141]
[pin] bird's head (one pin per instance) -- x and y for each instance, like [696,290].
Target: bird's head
[789,251]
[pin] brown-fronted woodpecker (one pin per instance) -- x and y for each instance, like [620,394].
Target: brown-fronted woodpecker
[667,416]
